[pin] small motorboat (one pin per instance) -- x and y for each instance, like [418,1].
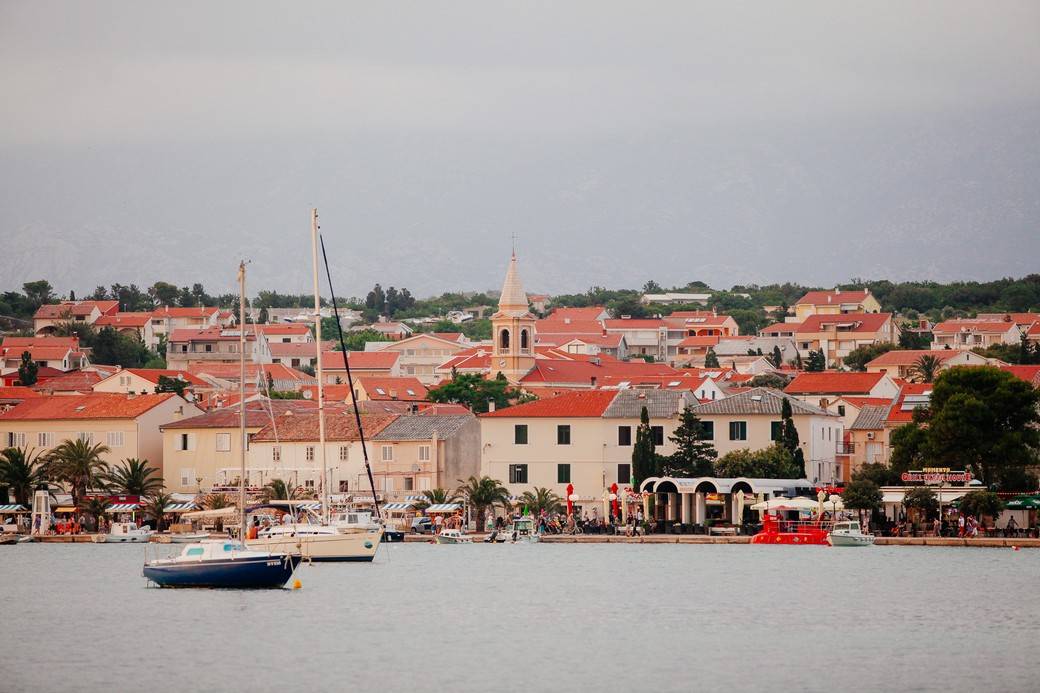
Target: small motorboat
[453,536]
[188,538]
[222,563]
[362,521]
[7,538]
[523,530]
[124,533]
[849,534]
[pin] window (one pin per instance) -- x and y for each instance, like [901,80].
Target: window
[45,440]
[186,441]
[563,435]
[388,453]
[563,474]
[523,340]
[409,483]
[388,484]
[841,410]
[424,453]
[503,340]
[85,437]
[15,440]
[308,483]
[658,434]
[738,430]
[707,430]
[223,442]
[276,453]
[520,434]
[309,453]
[344,453]
[115,439]
[187,476]
[424,484]
[344,486]
[776,430]
[518,473]
[624,473]
[624,436]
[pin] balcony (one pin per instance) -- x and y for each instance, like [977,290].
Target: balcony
[845,449]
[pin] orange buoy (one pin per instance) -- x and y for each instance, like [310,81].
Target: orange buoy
[297,584]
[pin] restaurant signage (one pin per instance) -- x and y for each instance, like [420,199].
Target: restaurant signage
[936,475]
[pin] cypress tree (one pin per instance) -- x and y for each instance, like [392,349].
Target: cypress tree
[710,359]
[693,456]
[644,456]
[789,435]
[27,370]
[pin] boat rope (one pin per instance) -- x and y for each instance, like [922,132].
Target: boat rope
[350,380]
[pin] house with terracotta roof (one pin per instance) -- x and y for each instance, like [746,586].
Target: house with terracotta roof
[902,363]
[644,336]
[287,448]
[127,424]
[751,420]
[837,335]
[787,330]
[144,380]
[186,347]
[400,389]
[741,345]
[49,316]
[12,396]
[848,407]
[835,303]
[1030,374]
[389,329]
[419,355]
[139,324]
[296,354]
[225,376]
[821,388]
[582,438]
[586,314]
[697,325]
[80,382]
[378,363]
[167,319]
[285,333]
[1023,320]
[869,435]
[750,365]
[61,353]
[613,345]
[965,334]
[202,453]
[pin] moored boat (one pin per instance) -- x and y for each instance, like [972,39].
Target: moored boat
[523,530]
[124,533]
[222,563]
[849,534]
[453,536]
[181,538]
[316,542]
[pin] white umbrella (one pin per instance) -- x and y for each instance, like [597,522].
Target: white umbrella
[786,504]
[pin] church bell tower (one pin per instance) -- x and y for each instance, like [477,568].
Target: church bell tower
[512,330]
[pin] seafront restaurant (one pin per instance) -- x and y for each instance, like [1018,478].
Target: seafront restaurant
[713,505]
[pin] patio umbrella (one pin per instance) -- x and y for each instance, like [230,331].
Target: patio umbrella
[614,498]
[739,519]
[1024,503]
[570,501]
[646,506]
[786,504]
[821,496]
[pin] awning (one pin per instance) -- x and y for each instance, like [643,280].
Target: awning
[123,507]
[444,508]
[891,497]
[397,506]
[13,508]
[215,513]
[180,507]
[312,507]
[65,509]
[946,496]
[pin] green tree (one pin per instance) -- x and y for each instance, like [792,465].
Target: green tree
[167,384]
[862,495]
[926,368]
[135,477]
[774,462]
[95,506]
[644,455]
[278,489]
[483,493]
[156,507]
[981,503]
[79,464]
[816,362]
[911,339]
[436,496]
[789,437]
[541,499]
[770,380]
[694,456]
[474,392]
[163,294]
[38,293]
[921,499]
[216,501]
[776,357]
[23,471]
[878,473]
[983,419]
[711,360]
[858,358]
[27,370]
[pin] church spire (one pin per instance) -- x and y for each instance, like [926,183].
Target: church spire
[513,298]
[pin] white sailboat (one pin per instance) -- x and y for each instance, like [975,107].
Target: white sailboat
[321,541]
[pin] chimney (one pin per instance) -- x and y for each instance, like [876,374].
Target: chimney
[491,405]
[824,402]
[393,394]
[592,382]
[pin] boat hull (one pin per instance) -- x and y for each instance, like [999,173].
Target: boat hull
[242,573]
[851,539]
[360,547]
[122,539]
[453,540]
[187,538]
[810,538]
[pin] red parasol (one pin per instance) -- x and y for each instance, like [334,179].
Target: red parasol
[613,496]
[570,504]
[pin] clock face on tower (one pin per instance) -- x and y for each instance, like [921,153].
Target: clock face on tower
[502,363]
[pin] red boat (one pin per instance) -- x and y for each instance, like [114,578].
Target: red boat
[777,531]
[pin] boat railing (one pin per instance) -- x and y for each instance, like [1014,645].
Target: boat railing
[774,524]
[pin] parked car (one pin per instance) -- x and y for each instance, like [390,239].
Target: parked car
[421,525]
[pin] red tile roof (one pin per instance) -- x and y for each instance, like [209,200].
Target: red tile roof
[17,393]
[634,324]
[294,349]
[333,393]
[909,357]
[895,413]
[582,372]
[118,320]
[406,389]
[450,336]
[283,328]
[1030,374]
[152,375]
[229,371]
[833,382]
[591,403]
[705,341]
[577,314]
[209,334]
[781,327]
[566,326]
[829,298]
[73,381]
[863,323]
[192,312]
[340,425]
[361,360]
[41,348]
[986,326]
[258,414]
[93,406]
[865,401]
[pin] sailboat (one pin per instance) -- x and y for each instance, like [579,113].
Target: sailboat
[323,540]
[227,562]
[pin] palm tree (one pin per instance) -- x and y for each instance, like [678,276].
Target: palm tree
[483,493]
[541,499]
[216,501]
[435,496]
[79,464]
[135,477]
[926,368]
[23,471]
[277,489]
[156,506]
[96,507]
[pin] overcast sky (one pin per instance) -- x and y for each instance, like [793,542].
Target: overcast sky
[620,141]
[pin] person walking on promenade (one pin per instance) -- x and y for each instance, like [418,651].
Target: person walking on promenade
[960,527]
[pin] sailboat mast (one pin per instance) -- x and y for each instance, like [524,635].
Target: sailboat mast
[319,371]
[242,397]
